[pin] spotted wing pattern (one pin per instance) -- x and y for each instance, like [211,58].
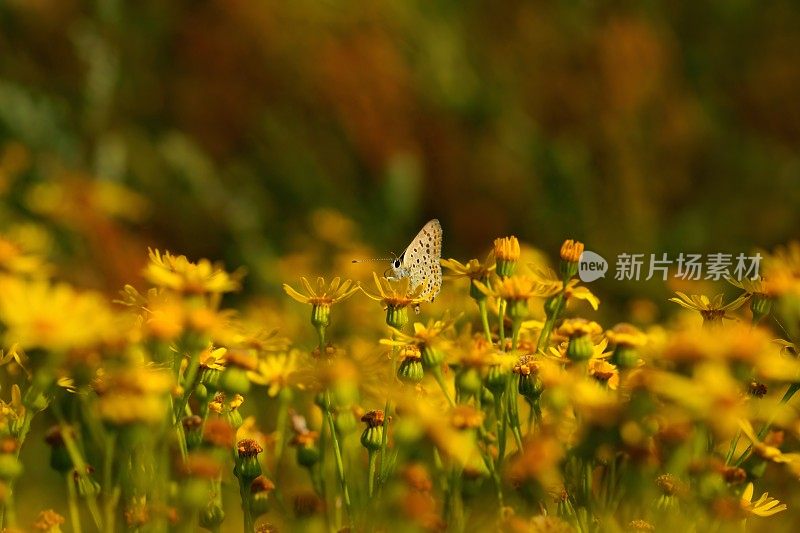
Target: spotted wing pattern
[421,260]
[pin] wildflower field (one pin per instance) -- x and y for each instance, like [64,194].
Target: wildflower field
[503,405]
[399,266]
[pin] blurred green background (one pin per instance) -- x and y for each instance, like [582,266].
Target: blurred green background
[633,126]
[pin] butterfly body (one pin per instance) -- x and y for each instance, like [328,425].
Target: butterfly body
[420,262]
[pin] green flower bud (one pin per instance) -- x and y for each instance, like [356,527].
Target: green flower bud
[247,467]
[475,293]
[193,429]
[260,490]
[760,305]
[345,421]
[518,309]
[212,516]
[468,381]
[372,437]
[193,494]
[625,356]
[87,487]
[432,356]
[410,370]
[321,315]
[321,401]
[496,379]
[397,317]
[10,467]
[307,455]
[580,348]
[234,380]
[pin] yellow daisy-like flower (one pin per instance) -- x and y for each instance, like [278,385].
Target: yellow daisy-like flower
[548,278]
[782,270]
[14,259]
[275,371]
[179,274]
[38,314]
[626,335]
[396,294]
[764,506]
[578,327]
[335,292]
[751,286]
[472,270]
[516,288]
[712,310]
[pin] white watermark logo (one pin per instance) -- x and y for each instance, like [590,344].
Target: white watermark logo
[635,267]
[591,266]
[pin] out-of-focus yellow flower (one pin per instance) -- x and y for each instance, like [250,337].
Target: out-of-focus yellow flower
[38,314]
[276,371]
[335,292]
[578,327]
[515,288]
[49,521]
[626,335]
[179,274]
[14,259]
[768,452]
[781,270]
[764,506]
[134,395]
[548,278]
[712,310]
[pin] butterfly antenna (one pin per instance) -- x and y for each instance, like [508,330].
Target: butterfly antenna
[371,260]
[376,259]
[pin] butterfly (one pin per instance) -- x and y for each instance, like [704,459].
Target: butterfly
[420,262]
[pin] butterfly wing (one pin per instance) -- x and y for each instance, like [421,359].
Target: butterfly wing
[421,260]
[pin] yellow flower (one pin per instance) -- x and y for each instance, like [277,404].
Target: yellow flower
[578,327]
[179,274]
[48,521]
[14,259]
[336,292]
[275,371]
[712,310]
[547,278]
[472,270]
[767,452]
[764,506]
[515,288]
[506,249]
[626,335]
[782,270]
[396,294]
[751,286]
[571,251]
[506,254]
[37,314]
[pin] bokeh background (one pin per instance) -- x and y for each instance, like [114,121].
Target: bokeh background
[247,130]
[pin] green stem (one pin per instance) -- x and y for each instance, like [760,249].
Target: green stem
[244,494]
[793,388]
[337,453]
[72,503]
[485,319]
[437,375]
[549,324]
[501,314]
[373,462]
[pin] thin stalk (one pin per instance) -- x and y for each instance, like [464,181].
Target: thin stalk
[485,320]
[244,494]
[373,463]
[72,503]
[437,375]
[337,453]
[501,314]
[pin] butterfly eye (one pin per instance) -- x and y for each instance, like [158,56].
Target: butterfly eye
[397,263]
